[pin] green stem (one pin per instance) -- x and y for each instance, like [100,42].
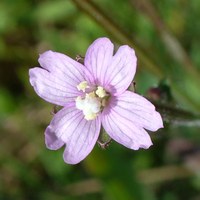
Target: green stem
[177,116]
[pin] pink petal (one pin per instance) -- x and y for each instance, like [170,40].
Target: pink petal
[127,116]
[51,87]
[98,58]
[66,68]
[122,70]
[80,135]
[141,111]
[125,132]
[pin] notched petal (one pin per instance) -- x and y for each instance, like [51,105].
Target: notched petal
[51,87]
[82,141]
[127,117]
[125,132]
[64,66]
[122,70]
[138,110]
[51,140]
[98,58]
[79,135]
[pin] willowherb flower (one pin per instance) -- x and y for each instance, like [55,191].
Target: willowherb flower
[93,95]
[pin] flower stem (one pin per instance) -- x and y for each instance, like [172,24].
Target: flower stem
[177,116]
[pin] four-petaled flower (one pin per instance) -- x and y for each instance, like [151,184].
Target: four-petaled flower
[92,95]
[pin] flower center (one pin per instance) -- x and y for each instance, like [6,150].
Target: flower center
[92,102]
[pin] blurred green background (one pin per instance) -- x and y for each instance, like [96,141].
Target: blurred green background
[166,37]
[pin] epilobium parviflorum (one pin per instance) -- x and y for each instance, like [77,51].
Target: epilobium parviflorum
[93,95]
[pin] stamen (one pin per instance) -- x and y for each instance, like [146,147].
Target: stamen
[100,92]
[90,95]
[82,86]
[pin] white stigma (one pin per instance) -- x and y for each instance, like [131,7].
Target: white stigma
[91,104]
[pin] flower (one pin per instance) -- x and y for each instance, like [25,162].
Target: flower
[93,95]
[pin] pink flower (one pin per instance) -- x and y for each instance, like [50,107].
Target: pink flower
[92,95]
